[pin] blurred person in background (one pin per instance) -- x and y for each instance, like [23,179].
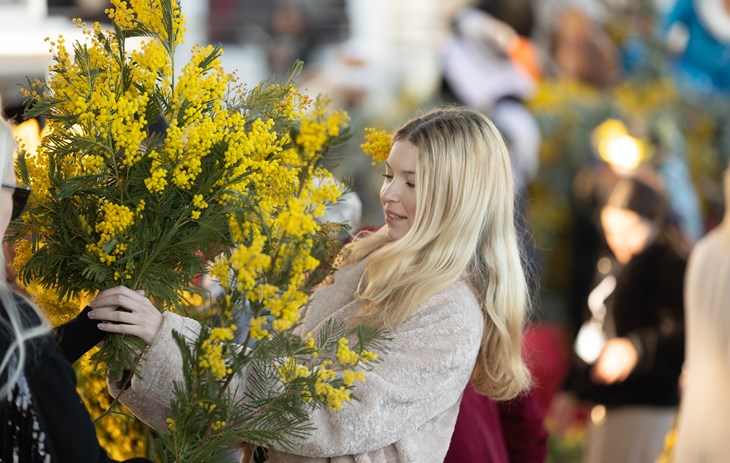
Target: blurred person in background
[498,432]
[630,350]
[490,65]
[285,30]
[698,32]
[704,419]
[577,45]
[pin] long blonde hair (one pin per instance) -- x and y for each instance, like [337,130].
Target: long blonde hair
[464,226]
[20,326]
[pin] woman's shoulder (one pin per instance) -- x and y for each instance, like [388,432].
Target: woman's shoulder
[718,240]
[456,303]
[712,250]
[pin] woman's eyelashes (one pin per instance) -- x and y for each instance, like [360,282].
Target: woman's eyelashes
[390,177]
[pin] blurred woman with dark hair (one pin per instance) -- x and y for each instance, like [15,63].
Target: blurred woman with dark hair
[631,348]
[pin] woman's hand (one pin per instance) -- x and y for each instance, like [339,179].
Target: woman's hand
[133,313]
[617,360]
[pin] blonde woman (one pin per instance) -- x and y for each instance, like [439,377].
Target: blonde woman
[42,418]
[704,415]
[443,275]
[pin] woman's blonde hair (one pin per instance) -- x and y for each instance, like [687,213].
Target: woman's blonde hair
[464,226]
[20,326]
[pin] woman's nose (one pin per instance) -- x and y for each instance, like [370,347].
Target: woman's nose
[391,192]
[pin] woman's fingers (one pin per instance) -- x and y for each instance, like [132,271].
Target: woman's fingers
[131,313]
[118,297]
[145,326]
[118,316]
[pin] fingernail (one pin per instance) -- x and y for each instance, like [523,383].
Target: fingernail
[91,314]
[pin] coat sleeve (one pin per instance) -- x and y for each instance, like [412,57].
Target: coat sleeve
[78,336]
[150,391]
[428,363]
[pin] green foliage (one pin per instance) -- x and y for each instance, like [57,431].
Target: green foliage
[235,178]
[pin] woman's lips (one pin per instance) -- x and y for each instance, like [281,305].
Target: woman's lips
[391,217]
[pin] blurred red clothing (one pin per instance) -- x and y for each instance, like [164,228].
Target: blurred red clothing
[491,432]
[513,432]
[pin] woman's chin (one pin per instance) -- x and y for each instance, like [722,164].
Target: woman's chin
[394,234]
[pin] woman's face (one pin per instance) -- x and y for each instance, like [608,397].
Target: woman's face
[627,233]
[398,193]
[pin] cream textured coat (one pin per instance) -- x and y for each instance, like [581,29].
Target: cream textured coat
[704,415]
[408,405]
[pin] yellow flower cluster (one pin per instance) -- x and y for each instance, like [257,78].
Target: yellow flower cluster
[212,356]
[346,356]
[248,262]
[309,340]
[184,151]
[200,204]
[256,328]
[302,264]
[116,219]
[218,425]
[92,163]
[151,63]
[377,144]
[157,181]
[334,396]
[23,251]
[318,127]
[38,161]
[121,14]
[349,377]
[129,127]
[200,86]
[295,221]
[252,168]
[321,189]
[146,14]
[294,104]
[285,308]
[291,370]
[208,407]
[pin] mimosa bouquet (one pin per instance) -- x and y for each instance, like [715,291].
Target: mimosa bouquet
[144,177]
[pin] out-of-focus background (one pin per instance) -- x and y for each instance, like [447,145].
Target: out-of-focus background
[584,91]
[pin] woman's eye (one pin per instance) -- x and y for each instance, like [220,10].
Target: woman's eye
[411,184]
[388,176]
